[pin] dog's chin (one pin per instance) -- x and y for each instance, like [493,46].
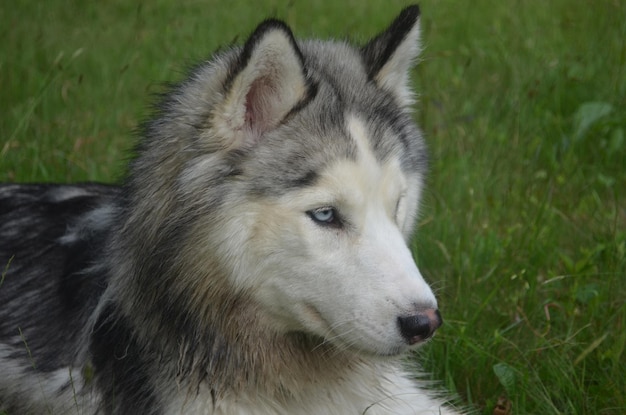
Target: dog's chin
[313,331]
[337,347]
[379,351]
[383,353]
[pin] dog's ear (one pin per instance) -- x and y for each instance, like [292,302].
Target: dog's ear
[268,81]
[389,56]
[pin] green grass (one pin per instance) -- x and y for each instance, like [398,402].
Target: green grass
[523,232]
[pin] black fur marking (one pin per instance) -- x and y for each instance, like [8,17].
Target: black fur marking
[311,93]
[307,179]
[33,220]
[248,49]
[120,367]
[380,49]
[252,42]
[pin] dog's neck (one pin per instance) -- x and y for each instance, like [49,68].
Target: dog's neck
[228,346]
[242,352]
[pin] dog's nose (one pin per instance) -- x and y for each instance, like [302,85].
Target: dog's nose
[420,326]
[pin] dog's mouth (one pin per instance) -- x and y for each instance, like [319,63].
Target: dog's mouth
[411,331]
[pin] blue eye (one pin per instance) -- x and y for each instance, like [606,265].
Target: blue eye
[324,216]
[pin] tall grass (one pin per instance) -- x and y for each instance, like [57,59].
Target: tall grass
[523,231]
[524,104]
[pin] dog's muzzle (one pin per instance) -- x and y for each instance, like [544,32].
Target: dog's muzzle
[421,326]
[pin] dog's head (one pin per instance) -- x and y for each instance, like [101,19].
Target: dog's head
[299,168]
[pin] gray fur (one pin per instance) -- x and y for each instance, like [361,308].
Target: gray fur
[127,287]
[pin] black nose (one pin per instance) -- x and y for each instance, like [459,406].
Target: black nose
[420,326]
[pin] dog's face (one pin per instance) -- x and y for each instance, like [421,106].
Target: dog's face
[331,258]
[330,177]
[298,169]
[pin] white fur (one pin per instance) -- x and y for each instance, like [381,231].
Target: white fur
[374,389]
[349,285]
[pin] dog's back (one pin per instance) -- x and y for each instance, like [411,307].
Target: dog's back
[50,239]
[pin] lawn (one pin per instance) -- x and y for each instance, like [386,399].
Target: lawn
[523,104]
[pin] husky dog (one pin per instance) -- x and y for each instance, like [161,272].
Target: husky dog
[255,259]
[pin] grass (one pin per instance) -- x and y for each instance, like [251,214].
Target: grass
[523,231]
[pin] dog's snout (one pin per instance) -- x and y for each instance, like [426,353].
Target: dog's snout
[420,326]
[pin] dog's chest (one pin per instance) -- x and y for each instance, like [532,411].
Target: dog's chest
[376,394]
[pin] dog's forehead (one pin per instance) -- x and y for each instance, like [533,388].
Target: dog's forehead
[347,117]
[345,89]
[364,175]
[300,152]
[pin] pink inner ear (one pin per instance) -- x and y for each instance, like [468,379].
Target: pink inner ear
[259,106]
[250,110]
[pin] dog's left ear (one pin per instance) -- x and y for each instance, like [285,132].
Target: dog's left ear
[267,82]
[389,56]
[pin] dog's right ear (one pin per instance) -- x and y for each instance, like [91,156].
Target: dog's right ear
[268,81]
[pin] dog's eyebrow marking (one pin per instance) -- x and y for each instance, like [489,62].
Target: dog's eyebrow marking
[307,179]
